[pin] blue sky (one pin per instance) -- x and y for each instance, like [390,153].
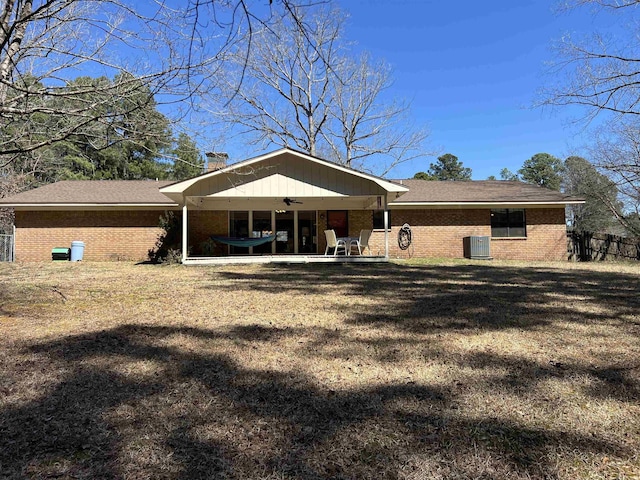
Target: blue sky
[471,71]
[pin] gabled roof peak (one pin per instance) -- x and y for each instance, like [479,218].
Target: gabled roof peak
[179,188]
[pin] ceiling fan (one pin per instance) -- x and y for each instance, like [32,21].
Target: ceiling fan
[289,201]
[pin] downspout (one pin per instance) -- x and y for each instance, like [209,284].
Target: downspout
[184,230]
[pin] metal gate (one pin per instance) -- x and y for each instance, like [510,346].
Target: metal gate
[6,248]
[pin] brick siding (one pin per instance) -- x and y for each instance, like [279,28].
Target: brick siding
[129,235]
[546,238]
[108,235]
[440,233]
[202,224]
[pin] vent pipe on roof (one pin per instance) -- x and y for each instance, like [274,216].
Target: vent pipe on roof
[216,160]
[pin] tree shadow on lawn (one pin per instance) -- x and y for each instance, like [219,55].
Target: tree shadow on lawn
[613,382]
[473,299]
[426,299]
[206,416]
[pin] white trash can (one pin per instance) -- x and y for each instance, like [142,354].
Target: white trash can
[77,251]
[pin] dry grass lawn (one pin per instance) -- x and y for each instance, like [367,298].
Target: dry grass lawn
[435,370]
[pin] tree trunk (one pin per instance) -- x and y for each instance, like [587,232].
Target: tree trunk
[12,42]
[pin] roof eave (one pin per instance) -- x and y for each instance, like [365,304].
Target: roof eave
[513,203]
[87,206]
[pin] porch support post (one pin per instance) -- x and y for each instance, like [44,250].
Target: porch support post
[184,231]
[386,228]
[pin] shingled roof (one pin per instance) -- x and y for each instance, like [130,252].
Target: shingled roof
[478,192]
[94,192]
[421,192]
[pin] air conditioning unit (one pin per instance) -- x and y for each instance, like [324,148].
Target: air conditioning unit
[477,248]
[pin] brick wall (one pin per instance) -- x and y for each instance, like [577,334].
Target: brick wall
[116,235]
[108,235]
[546,238]
[434,233]
[440,233]
[202,224]
[129,235]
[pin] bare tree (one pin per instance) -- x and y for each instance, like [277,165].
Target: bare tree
[286,83]
[46,43]
[362,126]
[601,73]
[616,151]
[614,4]
[302,89]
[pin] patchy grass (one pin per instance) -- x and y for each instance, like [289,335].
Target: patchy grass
[415,370]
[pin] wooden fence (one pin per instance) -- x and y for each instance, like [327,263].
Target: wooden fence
[587,246]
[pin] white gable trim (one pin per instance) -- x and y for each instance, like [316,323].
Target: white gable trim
[177,189]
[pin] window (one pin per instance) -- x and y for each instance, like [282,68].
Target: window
[508,222]
[378,219]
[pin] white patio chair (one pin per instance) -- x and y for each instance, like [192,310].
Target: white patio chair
[361,243]
[333,242]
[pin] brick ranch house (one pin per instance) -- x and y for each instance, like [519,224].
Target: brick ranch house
[295,197]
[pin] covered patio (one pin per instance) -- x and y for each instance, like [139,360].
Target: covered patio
[285,195]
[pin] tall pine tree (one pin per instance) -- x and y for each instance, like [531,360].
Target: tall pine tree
[544,170]
[187,160]
[448,167]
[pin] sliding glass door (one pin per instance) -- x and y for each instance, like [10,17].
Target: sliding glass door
[262,228]
[295,231]
[239,228]
[285,232]
[307,232]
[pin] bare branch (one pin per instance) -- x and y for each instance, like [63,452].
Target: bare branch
[44,44]
[301,88]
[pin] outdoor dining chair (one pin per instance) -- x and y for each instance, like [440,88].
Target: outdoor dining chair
[361,243]
[333,242]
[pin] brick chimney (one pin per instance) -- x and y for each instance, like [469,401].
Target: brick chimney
[216,160]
